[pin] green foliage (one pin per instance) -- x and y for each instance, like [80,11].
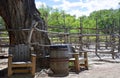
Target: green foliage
[104,19]
[107,19]
[1,23]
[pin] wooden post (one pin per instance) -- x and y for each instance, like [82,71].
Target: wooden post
[106,33]
[65,35]
[113,40]
[80,37]
[97,40]
[119,31]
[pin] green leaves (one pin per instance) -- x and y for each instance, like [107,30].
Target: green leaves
[1,23]
[105,19]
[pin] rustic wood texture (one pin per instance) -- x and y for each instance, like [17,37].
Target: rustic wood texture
[21,59]
[77,61]
[59,60]
[20,52]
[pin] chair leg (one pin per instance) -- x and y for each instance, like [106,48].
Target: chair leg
[33,65]
[76,63]
[86,64]
[9,72]
[86,61]
[33,70]
[9,66]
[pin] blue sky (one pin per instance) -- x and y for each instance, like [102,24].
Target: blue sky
[79,7]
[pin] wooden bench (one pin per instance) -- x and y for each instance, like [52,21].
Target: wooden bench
[77,59]
[21,60]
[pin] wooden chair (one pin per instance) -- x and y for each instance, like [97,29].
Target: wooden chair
[77,59]
[21,60]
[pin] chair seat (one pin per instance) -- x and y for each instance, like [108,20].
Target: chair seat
[80,59]
[21,64]
[28,62]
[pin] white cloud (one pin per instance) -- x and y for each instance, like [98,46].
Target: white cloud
[38,4]
[76,8]
[56,0]
[90,5]
[78,13]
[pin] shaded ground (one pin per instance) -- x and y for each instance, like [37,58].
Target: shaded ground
[107,68]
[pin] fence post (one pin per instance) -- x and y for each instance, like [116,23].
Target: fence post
[119,31]
[81,34]
[97,39]
[113,39]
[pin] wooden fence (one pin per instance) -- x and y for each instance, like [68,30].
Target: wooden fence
[100,41]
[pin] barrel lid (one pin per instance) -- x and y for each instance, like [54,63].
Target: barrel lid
[56,46]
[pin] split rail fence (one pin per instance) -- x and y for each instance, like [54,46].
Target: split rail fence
[89,39]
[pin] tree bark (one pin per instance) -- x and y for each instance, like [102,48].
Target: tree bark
[22,14]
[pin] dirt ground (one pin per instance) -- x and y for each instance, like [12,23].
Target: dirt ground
[106,68]
[99,69]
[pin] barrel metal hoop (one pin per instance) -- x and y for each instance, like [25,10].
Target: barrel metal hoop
[59,59]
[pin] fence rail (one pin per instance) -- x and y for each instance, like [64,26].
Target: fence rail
[84,41]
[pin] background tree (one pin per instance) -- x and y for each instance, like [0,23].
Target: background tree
[104,18]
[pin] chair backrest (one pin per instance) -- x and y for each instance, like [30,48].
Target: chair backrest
[71,50]
[21,53]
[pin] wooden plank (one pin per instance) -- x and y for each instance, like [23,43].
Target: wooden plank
[22,65]
[21,71]
[21,52]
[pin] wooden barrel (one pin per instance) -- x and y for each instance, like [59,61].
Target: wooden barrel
[59,60]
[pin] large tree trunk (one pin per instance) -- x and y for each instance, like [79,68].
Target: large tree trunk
[22,14]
